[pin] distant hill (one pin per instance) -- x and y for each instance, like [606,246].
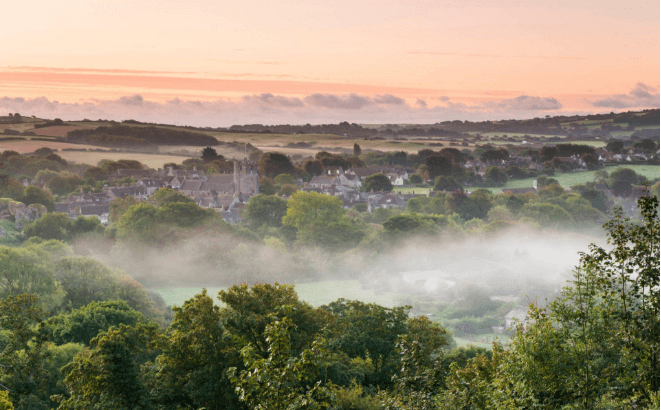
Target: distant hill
[130,136]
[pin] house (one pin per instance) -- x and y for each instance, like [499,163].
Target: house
[130,173]
[396,180]
[350,180]
[324,181]
[152,185]
[136,191]
[517,315]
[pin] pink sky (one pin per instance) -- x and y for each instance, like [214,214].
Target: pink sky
[215,63]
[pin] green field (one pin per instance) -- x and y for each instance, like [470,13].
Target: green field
[567,179]
[316,294]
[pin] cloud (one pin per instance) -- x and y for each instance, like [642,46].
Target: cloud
[342,102]
[526,103]
[275,100]
[92,70]
[388,99]
[268,108]
[432,53]
[444,98]
[641,95]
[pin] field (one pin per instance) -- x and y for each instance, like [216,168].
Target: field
[57,131]
[316,294]
[567,179]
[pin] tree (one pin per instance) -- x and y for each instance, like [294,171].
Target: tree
[35,195]
[646,145]
[53,225]
[623,174]
[106,375]
[547,214]
[313,168]
[377,183]
[356,150]
[369,331]
[192,368]
[495,176]
[495,155]
[415,179]
[437,166]
[266,186]
[622,188]
[547,154]
[119,206]
[284,179]
[281,381]
[271,164]
[446,184]
[28,270]
[25,350]
[599,342]
[166,196]
[615,147]
[288,190]
[591,161]
[265,210]
[307,209]
[249,311]
[83,324]
[210,154]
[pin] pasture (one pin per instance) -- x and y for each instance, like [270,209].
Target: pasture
[567,179]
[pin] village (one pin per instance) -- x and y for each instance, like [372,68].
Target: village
[228,193]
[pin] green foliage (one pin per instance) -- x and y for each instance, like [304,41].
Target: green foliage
[443,183]
[119,206]
[495,176]
[166,196]
[624,174]
[280,381]
[192,368]
[83,324]
[53,225]
[29,270]
[107,374]
[265,210]
[35,195]
[271,164]
[320,221]
[547,214]
[25,351]
[368,331]
[250,310]
[5,403]
[209,154]
[377,183]
[437,166]
[266,186]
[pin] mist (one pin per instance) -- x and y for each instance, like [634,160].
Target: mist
[519,264]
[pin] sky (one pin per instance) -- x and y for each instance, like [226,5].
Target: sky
[211,63]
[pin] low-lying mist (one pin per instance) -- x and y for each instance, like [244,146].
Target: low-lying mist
[515,265]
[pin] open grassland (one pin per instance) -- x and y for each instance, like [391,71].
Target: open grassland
[316,294]
[56,131]
[26,146]
[567,179]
